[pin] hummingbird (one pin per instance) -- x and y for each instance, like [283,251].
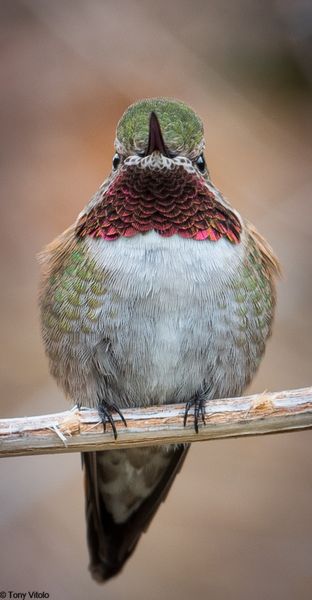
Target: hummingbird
[160,292]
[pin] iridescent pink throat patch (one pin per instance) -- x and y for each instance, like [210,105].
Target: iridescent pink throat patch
[166,201]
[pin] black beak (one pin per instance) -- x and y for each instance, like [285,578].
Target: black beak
[155,138]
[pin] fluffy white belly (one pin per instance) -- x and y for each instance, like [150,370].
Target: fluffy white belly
[162,313]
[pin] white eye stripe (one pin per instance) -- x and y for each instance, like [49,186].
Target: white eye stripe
[159,161]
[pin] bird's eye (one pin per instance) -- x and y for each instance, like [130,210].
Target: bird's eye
[201,163]
[116,161]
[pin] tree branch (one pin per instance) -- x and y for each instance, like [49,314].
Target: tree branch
[79,430]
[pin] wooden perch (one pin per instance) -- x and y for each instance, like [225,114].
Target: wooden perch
[79,430]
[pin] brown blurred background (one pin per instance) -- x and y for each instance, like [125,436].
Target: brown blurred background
[237,523]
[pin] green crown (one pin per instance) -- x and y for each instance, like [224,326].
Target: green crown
[182,129]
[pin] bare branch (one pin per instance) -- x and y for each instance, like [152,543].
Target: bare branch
[80,431]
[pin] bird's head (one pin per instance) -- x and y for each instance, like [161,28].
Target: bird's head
[159,180]
[159,132]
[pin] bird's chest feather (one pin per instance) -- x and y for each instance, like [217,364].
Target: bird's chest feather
[166,312]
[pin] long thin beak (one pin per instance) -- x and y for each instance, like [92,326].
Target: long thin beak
[155,138]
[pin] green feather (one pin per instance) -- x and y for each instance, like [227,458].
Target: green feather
[182,129]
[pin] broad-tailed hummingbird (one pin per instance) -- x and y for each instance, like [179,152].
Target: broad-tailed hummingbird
[160,292]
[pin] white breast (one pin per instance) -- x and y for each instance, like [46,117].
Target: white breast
[154,260]
[168,290]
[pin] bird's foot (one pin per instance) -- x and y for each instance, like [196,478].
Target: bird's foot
[198,401]
[105,410]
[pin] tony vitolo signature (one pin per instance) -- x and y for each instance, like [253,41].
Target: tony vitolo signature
[11,594]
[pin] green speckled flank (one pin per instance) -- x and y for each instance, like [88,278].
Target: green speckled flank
[265,293]
[182,129]
[240,295]
[256,282]
[94,302]
[75,295]
[254,298]
[98,288]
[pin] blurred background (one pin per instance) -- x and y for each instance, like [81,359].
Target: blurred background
[237,523]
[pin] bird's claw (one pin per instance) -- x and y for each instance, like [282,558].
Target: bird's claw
[105,410]
[198,401]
